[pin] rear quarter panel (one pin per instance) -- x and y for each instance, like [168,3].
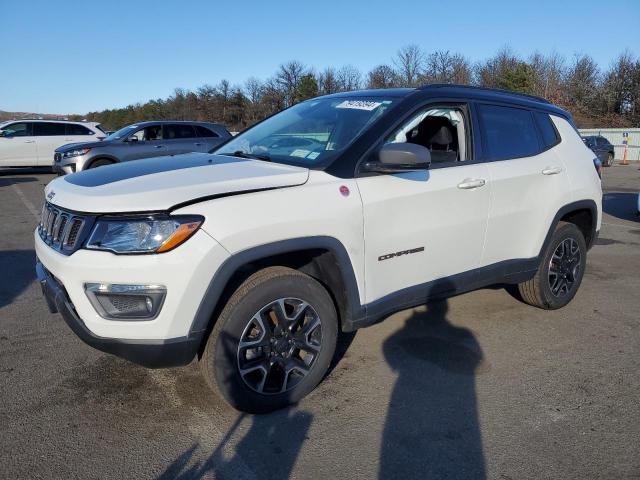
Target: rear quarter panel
[578,159]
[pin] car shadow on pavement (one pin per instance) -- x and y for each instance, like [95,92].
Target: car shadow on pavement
[8,181]
[18,271]
[432,429]
[621,205]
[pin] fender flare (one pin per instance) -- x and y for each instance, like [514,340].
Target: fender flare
[229,267]
[572,207]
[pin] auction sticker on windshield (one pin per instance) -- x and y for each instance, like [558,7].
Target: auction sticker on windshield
[359,105]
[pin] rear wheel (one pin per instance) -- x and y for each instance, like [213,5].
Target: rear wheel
[609,161]
[560,272]
[273,341]
[101,163]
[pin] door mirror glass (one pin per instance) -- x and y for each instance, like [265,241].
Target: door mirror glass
[132,139]
[400,157]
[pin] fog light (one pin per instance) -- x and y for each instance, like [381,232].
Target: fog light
[126,302]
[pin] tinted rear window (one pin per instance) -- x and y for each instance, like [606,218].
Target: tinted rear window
[205,132]
[44,129]
[547,130]
[508,132]
[75,129]
[177,131]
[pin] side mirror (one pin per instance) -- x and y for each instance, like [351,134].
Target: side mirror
[400,157]
[132,139]
[5,133]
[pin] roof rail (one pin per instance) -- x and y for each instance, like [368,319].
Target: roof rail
[485,89]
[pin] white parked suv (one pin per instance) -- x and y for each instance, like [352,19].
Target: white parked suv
[32,143]
[326,217]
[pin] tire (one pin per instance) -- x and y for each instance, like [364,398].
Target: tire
[609,162]
[251,378]
[101,163]
[546,290]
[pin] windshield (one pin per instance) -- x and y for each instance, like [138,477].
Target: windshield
[122,133]
[309,133]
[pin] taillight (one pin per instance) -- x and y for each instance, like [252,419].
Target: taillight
[598,164]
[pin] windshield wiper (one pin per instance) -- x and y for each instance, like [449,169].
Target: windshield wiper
[252,156]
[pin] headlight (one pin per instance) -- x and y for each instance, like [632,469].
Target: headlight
[142,235]
[76,153]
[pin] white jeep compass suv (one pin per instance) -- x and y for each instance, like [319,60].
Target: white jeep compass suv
[326,217]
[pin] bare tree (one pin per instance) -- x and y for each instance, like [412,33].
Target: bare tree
[327,81]
[618,84]
[582,83]
[493,71]
[444,67]
[382,76]
[288,78]
[548,76]
[348,78]
[409,62]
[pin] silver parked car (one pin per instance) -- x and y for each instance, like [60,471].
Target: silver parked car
[140,140]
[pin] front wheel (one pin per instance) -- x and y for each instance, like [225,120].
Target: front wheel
[560,272]
[100,163]
[273,341]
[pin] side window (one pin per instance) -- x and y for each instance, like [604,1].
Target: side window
[205,132]
[547,130]
[509,132]
[178,131]
[46,129]
[148,134]
[22,129]
[75,129]
[442,130]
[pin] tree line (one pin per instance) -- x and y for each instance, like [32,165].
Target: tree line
[595,97]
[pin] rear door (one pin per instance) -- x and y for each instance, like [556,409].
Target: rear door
[76,133]
[528,180]
[207,138]
[181,138]
[18,145]
[49,136]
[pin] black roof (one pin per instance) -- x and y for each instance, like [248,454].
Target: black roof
[463,92]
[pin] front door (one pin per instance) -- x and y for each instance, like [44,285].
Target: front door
[18,145]
[426,225]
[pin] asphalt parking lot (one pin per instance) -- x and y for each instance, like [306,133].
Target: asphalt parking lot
[479,386]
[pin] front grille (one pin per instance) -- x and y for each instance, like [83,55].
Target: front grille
[57,157]
[61,229]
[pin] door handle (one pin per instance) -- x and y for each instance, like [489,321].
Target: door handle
[198,144]
[159,146]
[551,170]
[29,141]
[469,183]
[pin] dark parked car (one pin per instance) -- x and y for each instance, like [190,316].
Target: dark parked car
[601,147]
[140,140]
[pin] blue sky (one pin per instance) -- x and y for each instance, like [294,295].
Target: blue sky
[77,56]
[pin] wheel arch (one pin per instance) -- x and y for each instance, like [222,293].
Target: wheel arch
[98,158]
[321,257]
[583,214]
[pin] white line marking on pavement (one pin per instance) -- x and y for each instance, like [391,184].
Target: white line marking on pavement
[27,203]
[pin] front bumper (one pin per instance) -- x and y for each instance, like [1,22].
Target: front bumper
[64,169]
[185,272]
[171,352]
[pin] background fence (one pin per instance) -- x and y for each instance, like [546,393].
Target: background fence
[614,135]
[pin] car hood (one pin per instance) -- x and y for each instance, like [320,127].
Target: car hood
[161,183]
[70,146]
